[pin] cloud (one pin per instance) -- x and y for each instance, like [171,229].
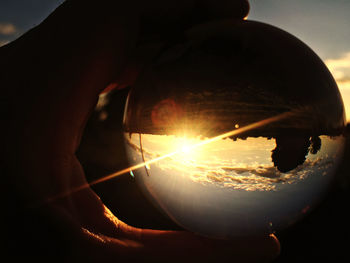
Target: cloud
[344,84]
[7,29]
[259,178]
[237,174]
[240,176]
[340,68]
[342,62]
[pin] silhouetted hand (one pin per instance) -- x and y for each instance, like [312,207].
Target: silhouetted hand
[51,78]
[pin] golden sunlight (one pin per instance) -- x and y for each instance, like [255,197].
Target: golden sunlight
[172,146]
[186,146]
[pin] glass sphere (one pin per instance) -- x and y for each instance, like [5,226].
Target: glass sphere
[235,129]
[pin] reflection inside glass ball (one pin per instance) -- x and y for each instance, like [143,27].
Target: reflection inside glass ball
[238,131]
[234,187]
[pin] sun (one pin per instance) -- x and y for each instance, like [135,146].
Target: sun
[185,148]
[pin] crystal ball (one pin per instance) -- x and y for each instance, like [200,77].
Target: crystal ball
[234,129]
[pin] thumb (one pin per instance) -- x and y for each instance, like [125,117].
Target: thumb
[63,65]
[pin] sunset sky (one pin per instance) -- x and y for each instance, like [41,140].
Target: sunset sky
[321,24]
[241,164]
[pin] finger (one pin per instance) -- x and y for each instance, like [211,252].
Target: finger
[75,62]
[166,19]
[225,9]
[180,246]
[213,8]
[185,246]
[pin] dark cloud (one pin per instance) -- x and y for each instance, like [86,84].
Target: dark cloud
[23,15]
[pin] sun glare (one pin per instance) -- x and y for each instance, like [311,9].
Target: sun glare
[185,146]
[186,149]
[178,145]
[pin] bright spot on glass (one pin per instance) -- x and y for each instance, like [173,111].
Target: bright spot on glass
[185,149]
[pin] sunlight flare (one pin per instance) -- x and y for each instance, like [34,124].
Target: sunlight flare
[185,147]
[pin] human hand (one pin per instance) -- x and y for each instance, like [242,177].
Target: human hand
[51,79]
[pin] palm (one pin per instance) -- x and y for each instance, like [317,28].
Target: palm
[57,89]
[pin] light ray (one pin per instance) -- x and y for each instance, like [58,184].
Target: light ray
[188,148]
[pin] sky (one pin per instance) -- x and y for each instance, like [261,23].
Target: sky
[324,25]
[241,164]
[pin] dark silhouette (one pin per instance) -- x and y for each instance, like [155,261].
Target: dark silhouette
[291,151]
[315,144]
